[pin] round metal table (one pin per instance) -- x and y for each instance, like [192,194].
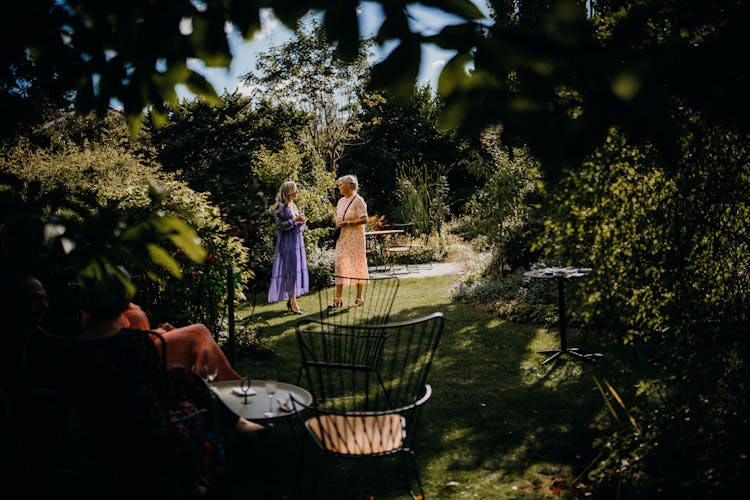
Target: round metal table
[258,404]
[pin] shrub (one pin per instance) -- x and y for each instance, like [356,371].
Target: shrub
[503,208]
[513,297]
[108,179]
[668,243]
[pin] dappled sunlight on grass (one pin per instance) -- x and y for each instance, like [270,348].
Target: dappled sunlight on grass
[499,424]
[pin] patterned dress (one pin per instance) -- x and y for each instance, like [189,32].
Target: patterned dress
[289,277]
[351,259]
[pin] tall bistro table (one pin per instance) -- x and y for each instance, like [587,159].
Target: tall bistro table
[561,275]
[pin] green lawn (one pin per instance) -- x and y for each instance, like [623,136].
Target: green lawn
[499,424]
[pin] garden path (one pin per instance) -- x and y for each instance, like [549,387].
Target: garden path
[438,269]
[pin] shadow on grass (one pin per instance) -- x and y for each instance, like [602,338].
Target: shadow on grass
[499,424]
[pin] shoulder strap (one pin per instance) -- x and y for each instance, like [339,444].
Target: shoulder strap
[349,205]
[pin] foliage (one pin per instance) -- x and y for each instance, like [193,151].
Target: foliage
[308,74]
[96,201]
[669,248]
[78,213]
[503,208]
[320,266]
[422,194]
[239,153]
[404,132]
[558,76]
[554,76]
[512,297]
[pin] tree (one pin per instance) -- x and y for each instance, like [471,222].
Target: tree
[503,208]
[221,149]
[558,77]
[400,132]
[309,73]
[137,51]
[78,209]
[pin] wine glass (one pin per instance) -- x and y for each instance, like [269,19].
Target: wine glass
[245,388]
[270,392]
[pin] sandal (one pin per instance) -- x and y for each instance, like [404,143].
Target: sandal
[337,302]
[357,302]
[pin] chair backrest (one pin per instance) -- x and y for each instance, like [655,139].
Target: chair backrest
[368,368]
[150,425]
[378,293]
[122,379]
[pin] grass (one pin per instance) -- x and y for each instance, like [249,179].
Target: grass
[499,424]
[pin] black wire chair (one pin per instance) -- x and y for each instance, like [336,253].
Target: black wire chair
[368,384]
[378,296]
[135,411]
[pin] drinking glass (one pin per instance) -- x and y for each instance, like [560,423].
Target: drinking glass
[270,392]
[245,388]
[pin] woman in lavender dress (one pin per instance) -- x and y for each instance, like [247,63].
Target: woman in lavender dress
[289,278]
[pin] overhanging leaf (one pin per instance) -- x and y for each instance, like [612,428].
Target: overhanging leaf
[181,235]
[461,8]
[198,85]
[460,37]
[245,15]
[454,73]
[342,26]
[398,72]
[161,257]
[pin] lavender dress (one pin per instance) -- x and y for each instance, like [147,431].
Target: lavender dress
[289,276]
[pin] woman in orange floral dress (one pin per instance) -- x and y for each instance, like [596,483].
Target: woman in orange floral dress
[351,257]
[189,346]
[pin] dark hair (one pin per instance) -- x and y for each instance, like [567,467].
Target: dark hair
[104,299]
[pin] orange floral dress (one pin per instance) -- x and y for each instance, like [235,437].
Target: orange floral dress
[351,257]
[186,346]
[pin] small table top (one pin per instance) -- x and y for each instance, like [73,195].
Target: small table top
[557,272]
[229,391]
[384,232]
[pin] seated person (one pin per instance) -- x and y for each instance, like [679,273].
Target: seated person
[27,402]
[127,398]
[189,346]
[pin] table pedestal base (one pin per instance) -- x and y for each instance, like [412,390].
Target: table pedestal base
[570,351]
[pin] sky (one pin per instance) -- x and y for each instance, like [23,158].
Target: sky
[424,19]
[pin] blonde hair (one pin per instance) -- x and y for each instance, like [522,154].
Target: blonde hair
[285,191]
[349,179]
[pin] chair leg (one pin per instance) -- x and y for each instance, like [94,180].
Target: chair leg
[410,456]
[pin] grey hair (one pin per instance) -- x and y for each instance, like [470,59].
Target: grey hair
[351,180]
[285,191]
